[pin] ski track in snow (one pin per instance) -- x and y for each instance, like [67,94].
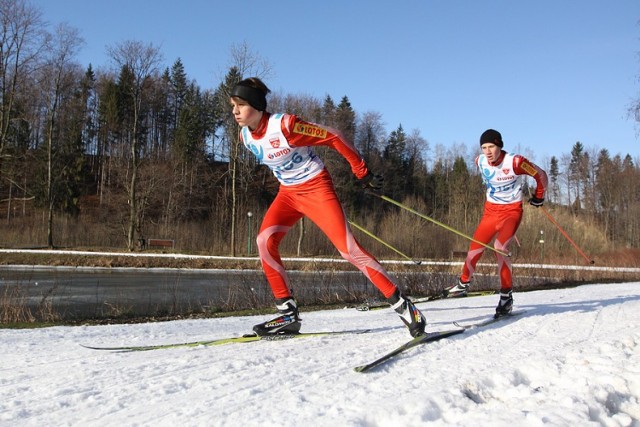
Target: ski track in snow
[572,359]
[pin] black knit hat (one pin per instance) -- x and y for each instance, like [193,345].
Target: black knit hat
[492,136]
[254,96]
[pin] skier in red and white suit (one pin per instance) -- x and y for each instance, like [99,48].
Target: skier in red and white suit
[503,174]
[285,143]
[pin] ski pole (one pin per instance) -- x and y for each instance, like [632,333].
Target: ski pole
[408,209]
[368,233]
[590,261]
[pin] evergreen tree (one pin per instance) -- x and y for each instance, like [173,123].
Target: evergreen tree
[343,179]
[554,184]
[328,112]
[630,203]
[396,170]
[606,176]
[191,132]
[461,194]
[577,174]
[438,189]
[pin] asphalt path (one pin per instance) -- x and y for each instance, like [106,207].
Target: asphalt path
[100,292]
[106,292]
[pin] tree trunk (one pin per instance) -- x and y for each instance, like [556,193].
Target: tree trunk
[234,171]
[50,196]
[133,206]
[300,236]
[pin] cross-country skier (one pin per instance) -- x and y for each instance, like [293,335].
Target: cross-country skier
[284,143]
[502,174]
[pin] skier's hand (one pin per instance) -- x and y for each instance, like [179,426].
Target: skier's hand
[372,182]
[536,202]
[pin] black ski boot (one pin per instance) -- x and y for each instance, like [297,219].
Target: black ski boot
[410,315]
[460,289]
[288,322]
[506,303]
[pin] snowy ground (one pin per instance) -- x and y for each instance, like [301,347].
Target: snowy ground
[572,360]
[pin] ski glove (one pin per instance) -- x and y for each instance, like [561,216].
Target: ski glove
[535,202]
[372,182]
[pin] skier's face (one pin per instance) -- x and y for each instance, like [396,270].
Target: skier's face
[244,113]
[491,150]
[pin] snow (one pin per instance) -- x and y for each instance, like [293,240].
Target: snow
[572,359]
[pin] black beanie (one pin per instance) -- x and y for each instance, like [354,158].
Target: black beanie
[254,96]
[492,136]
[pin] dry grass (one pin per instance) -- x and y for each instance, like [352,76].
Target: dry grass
[413,236]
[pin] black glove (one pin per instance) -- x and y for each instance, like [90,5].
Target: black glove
[535,202]
[372,182]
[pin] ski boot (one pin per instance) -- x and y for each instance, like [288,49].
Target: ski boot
[410,315]
[506,303]
[288,322]
[460,289]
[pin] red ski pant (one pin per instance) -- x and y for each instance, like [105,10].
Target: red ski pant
[501,222]
[317,200]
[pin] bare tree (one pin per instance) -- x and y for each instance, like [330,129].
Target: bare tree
[417,147]
[56,83]
[142,62]
[633,110]
[370,135]
[22,39]
[247,64]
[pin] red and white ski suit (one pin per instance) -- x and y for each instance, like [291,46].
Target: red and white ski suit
[502,209]
[284,143]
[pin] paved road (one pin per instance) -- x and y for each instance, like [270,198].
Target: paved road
[103,292]
[81,292]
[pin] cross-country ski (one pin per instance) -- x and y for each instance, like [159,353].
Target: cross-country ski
[489,321]
[420,340]
[222,341]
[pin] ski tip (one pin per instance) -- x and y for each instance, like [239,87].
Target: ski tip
[111,349]
[450,332]
[420,339]
[92,347]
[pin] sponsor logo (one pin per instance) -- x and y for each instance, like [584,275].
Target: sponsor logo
[505,178]
[310,130]
[280,321]
[506,171]
[528,168]
[275,142]
[274,323]
[280,153]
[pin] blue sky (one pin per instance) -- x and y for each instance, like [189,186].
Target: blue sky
[544,73]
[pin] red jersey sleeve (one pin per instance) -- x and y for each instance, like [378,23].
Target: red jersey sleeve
[522,166]
[300,133]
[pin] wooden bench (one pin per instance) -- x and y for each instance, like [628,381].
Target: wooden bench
[458,254]
[160,243]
